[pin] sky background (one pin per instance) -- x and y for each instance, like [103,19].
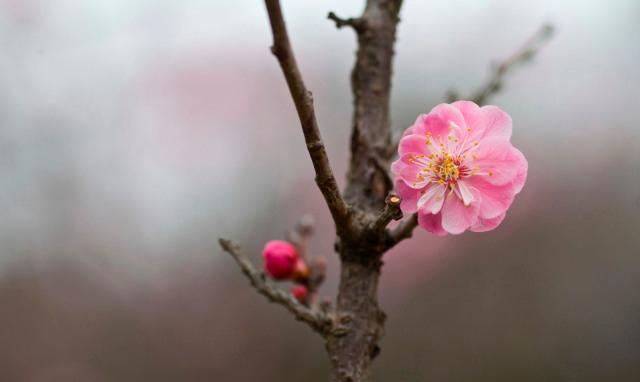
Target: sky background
[133,134]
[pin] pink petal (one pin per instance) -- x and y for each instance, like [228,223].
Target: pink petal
[414,144]
[409,197]
[494,200]
[412,129]
[521,177]
[432,223]
[433,199]
[485,122]
[438,121]
[465,193]
[484,225]
[456,218]
[469,109]
[499,162]
[408,170]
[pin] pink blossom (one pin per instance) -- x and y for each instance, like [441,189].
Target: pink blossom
[458,169]
[280,258]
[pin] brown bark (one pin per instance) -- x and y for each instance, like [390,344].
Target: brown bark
[368,185]
[352,349]
[368,182]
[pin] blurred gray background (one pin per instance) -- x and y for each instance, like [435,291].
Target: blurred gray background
[134,133]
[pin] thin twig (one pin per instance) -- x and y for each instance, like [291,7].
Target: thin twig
[318,320]
[303,101]
[358,24]
[523,55]
[317,265]
[403,231]
[390,212]
[300,236]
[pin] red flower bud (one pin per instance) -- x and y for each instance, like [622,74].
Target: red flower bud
[300,271]
[300,293]
[280,259]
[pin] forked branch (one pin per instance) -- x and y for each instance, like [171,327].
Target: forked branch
[303,101]
[356,23]
[319,320]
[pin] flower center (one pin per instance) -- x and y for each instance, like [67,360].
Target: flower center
[443,167]
[447,168]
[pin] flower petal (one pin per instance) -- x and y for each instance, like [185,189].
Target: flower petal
[431,223]
[413,129]
[494,200]
[433,199]
[438,121]
[499,162]
[521,177]
[456,218]
[414,144]
[465,193]
[409,170]
[409,197]
[484,225]
[485,122]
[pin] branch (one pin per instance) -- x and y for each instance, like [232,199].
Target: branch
[317,265]
[523,55]
[368,183]
[301,234]
[390,212]
[358,24]
[402,231]
[318,320]
[303,101]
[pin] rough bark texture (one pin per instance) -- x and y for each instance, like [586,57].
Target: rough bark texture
[368,182]
[368,185]
[351,353]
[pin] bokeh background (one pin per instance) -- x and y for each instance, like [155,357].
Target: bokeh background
[134,133]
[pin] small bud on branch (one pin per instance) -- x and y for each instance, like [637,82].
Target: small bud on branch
[316,319]
[280,259]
